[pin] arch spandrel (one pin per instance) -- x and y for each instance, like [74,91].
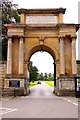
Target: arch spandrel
[45,47]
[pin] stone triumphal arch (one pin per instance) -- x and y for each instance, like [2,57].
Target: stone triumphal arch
[42,30]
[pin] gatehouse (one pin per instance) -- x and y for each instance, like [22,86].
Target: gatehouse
[42,30]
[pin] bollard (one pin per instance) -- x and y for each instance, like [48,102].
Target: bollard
[14,92]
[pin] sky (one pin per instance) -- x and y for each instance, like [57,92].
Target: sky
[44,61]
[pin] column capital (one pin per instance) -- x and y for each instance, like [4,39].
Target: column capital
[10,36]
[73,36]
[61,37]
[20,36]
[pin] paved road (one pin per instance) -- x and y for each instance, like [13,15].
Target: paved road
[41,103]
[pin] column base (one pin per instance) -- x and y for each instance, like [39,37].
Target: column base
[64,92]
[19,85]
[21,76]
[9,75]
[62,75]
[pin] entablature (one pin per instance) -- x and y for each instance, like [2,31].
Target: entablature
[15,29]
[62,29]
[68,29]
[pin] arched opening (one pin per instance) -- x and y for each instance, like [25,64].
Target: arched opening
[44,63]
[44,49]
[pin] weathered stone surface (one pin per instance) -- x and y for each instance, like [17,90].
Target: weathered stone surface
[46,37]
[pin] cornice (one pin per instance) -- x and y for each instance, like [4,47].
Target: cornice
[42,11]
[69,25]
[43,26]
[15,25]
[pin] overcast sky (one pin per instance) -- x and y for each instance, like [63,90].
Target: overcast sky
[44,61]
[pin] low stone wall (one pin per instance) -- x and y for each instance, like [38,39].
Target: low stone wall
[3,66]
[13,92]
[65,92]
[65,86]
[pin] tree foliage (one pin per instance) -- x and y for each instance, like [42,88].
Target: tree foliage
[45,76]
[9,15]
[35,76]
[41,77]
[50,77]
[33,72]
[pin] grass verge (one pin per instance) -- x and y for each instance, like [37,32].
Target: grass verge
[50,83]
[31,84]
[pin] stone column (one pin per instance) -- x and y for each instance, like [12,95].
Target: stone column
[62,56]
[21,56]
[9,57]
[74,65]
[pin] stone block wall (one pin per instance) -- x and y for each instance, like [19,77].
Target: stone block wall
[3,66]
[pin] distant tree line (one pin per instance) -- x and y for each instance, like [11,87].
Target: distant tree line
[36,76]
[46,77]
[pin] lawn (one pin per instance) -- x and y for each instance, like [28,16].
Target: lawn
[51,83]
[32,83]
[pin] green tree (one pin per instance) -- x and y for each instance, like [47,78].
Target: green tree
[33,72]
[9,15]
[41,76]
[50,77]
[45,76]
